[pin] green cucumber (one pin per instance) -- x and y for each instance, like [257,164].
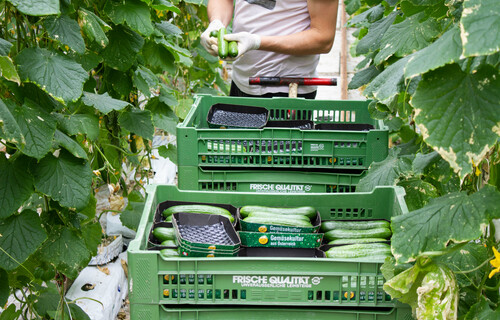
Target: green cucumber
[356,234]
[233,49]
[358,240]
[169,243]
[222,44]
[278,220]
[169,253]
[305,211]
[354,224]
[198,208]
[271,215]
[168,218]
[163,233]
[214,33]
[360,250]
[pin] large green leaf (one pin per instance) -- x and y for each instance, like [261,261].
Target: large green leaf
[371,15]
[384,173]
[69,144]
[466,258]
[168,29]
[371,41]
[482,310]
[134,13]
[58,75]
[4,287]
[389,83]
[66,250]
[5,47]
[410,35]
[93,27]
[21,235]
[65,179]
[38,128]
[163,116]
[103,102]
[418,192]
[8,70]
[10,313]
[458,114]
[162,5]
[455,217]
[74,124]
[169,152]
[123,48]
[364,77]
[93,236]
[480,25]
[159,58]
[16,184]
[145,80]
[131,216]
[65,30]
[37,7]
[447,49]
[138,122]
[11,131]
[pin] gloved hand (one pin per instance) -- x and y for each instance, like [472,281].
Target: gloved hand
[246,42]
[210,43]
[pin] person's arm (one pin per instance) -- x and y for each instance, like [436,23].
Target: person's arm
[221,10]
[315,40]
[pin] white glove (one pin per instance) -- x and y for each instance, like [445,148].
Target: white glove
[246,42]
[210,43]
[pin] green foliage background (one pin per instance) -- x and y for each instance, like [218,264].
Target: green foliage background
[431,68]
[84,86]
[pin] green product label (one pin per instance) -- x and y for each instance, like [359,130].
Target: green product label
[280,188]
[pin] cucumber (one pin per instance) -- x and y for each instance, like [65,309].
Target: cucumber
[163,233]
[354,225]
[214,33]
[169,243]
[233,49]
[169,253]
[359,240]
[271,215]
[222,44]
[168,218]
[198,208]
[304,211]
[356,234]
[279,220]
[360,250]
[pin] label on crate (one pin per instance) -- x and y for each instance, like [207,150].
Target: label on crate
[315,147]
[277,281]
[277,187]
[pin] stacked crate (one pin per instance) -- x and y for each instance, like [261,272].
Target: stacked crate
[318,165]
[330,155]
[253,286]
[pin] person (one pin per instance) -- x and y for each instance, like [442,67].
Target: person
[276,38]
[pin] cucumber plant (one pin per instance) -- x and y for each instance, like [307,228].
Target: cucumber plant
[431,68]
[84,85]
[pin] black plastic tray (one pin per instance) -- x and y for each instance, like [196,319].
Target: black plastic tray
[296,124]
[237,116]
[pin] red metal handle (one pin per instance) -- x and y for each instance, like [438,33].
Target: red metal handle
[281,81]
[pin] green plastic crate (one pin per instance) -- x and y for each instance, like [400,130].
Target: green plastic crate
[265,181]
[160,312]
[277,281]
[200,145]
